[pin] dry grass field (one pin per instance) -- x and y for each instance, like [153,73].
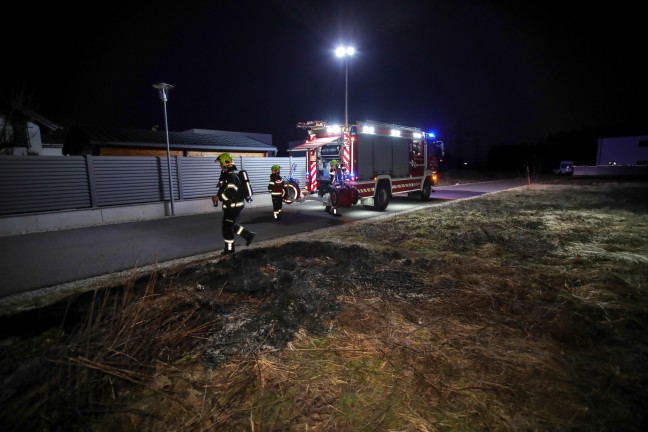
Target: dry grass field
[525,310]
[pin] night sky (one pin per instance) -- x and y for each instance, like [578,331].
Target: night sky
[478,73]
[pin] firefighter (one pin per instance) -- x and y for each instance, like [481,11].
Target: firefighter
[335,177]
[276,188]
[333,172]
[232,204]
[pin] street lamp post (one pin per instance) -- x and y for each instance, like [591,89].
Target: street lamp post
[345,52]
[163,89]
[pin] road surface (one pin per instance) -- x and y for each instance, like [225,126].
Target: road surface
[35,261]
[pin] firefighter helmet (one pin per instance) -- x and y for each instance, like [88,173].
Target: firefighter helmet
[334,163]
[275,168]
[224,159]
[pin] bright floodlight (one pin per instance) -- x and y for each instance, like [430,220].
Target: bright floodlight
[344,51]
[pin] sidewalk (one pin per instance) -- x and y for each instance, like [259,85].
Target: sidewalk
[24,224]
[47,259]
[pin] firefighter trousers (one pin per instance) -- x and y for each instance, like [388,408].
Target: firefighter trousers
[230,228]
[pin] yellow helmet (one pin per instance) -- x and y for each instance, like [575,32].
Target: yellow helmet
[275,168]
[225,159]
[334,163]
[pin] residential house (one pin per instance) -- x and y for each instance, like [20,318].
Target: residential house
[104,141]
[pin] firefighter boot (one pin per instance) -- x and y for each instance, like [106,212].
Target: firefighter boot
[229,247]
[249,236]
[246,234]
[334,212]
[328,209]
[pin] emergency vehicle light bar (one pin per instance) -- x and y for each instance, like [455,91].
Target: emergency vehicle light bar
[333,129]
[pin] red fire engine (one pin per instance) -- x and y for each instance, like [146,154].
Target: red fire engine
[377,160]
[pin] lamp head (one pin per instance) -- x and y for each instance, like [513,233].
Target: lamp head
[162,88]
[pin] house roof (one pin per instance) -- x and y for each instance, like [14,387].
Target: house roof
[79,137]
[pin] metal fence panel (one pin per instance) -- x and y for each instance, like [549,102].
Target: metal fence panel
[199,177]
[259,170]
[42,184]
[120,180]
[37,184]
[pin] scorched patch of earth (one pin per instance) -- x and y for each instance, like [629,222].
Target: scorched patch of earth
[262,297]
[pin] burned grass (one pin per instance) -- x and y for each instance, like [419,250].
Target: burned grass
[524,310]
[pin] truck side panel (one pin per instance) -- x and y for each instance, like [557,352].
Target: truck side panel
[401,148]
[365,161]
[383,154]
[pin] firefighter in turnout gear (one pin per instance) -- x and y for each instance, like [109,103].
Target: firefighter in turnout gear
[232,204]
[276,188]
[335,175]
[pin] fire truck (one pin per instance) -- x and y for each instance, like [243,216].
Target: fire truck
[376,160]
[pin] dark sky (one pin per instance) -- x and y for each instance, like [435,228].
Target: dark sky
[476,72]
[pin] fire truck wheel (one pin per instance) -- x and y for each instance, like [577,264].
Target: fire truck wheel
[426,191]
[355,196]
[381,199]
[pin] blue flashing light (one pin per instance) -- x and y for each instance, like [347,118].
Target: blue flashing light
[431,135]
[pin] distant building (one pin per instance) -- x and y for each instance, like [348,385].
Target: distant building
[264,138]
[102,141]
[629,150]
[25,132]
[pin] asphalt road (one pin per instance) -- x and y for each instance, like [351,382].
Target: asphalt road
[47,259]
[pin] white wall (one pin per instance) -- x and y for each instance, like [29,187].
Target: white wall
[622,150]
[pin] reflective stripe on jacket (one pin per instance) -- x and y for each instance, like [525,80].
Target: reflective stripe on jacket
[276,185]
[228,185]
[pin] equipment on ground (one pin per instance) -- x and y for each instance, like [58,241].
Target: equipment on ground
[291,189]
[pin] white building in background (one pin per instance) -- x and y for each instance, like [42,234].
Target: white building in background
[24,138]
[631,150]
[30,145]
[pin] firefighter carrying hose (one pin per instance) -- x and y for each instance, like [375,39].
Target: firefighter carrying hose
[233,204]
[276,188]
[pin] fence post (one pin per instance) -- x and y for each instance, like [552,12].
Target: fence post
[179,175]
[92,186]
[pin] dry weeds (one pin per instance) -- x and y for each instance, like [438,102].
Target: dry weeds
[520,311]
